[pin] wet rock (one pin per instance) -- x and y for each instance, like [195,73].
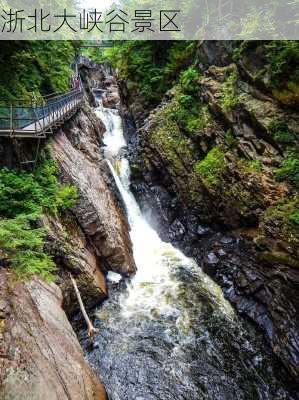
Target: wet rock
[40,355]
[177,230]
[203,230]
[212,259]
[73,254]
[221,253]
[226,240]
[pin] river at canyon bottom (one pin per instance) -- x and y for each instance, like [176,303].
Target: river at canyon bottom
[168,333]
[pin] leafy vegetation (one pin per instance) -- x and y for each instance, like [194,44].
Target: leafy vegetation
[23,197]
[23,245]
[28,193]
[283,56]
[289,169]
[294,217]
[249,166]
[281,132]
[211,167]
[287,210]
[39,68]
[230,139]
[279,68]
[229,97]
[150,68]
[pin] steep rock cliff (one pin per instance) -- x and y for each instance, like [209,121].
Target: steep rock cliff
[40,356]
[207,160]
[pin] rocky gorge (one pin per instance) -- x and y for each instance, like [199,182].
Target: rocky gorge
[210,205]
[255,257]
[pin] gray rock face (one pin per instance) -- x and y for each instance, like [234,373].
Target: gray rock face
[40,356]
[266,291]
[72,253]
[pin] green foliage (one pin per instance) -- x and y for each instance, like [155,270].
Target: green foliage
[39,68]
[289,169]
[287,211]
[229,97]
[283,56]
[281,132]
[257,23]
[249,166]
[255,166]
[189,113]
[23,197]
[27,193]
[189,80]
[294,218]
[150,67]
[24,246]
[230,140]
[211,167]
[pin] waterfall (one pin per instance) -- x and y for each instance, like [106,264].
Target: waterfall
[168,333]
[154,258]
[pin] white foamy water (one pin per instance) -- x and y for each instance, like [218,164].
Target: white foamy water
[153,289]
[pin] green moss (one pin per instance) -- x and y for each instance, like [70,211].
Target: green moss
[229,96]
[211,167]
[176,149]
[190,119]
[289,169]
[249,166]
[287,211]
[280,131]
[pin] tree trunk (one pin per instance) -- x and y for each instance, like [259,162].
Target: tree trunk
[91,329]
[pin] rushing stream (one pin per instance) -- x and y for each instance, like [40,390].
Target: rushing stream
[169,333]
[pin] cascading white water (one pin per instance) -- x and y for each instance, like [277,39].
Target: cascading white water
[169,334]
[153,285]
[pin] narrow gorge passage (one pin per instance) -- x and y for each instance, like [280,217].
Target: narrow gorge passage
[169,333]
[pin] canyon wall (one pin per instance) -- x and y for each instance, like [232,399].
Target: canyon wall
[209,167]
[40,354]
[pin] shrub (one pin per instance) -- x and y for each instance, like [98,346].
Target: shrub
[230,140]
[281,132]
[27,193]
[294,218]
[189,80]
[23,196]
[255,166]
[211,167]
[24,246]
[283,56]
[229,97]
[289,169]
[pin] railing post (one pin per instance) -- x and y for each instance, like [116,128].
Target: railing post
[11,120]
